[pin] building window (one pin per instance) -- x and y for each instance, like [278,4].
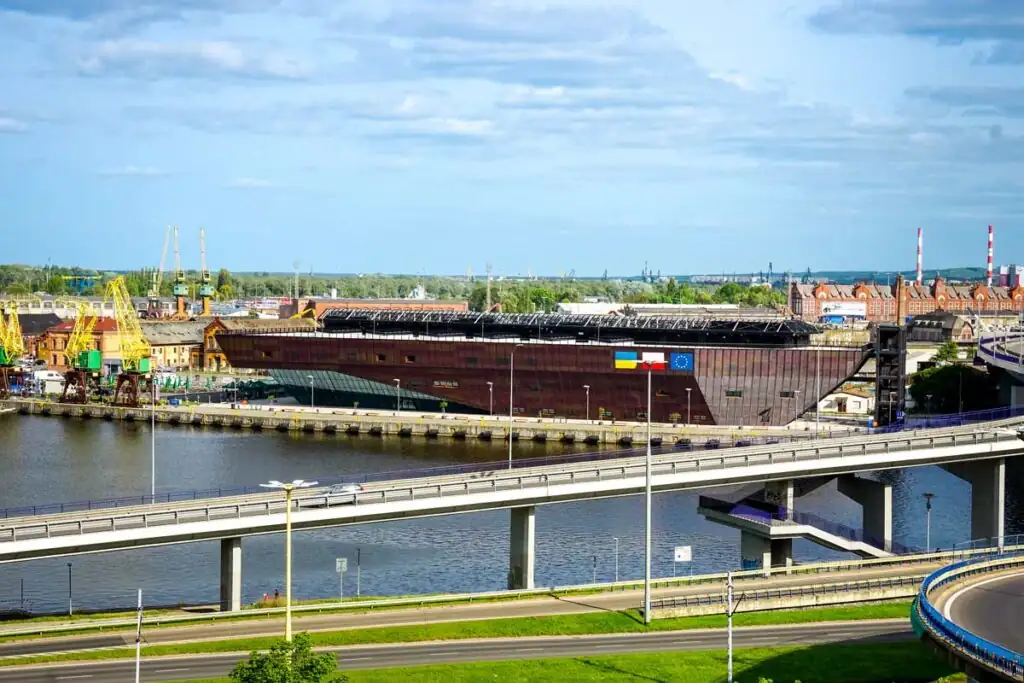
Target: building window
[503,361]
[410,359]
[734,393]
[471,361]
[381,358]
[787,394]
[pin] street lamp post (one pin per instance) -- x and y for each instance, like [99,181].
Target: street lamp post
[688,390]
[152,444]
[511,380]
[817,392]
[398,394]
[70,608]
[287,488]
[312,404]
[928,521]
[587,387]
[616,538]
[490,393]
[647,509]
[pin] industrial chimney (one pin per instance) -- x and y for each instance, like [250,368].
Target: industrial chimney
[920,244]
[988,272]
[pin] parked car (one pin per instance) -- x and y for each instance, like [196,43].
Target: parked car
[712,444]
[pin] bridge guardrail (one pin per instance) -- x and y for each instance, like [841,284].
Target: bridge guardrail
[788,592]
[501,480]
[990,655]
[809,570]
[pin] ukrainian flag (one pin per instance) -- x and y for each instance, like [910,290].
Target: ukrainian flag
[625,360]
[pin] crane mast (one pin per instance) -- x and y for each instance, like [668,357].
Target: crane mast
[83,360]
[136,352]
[158,278]
[205,282]
[12,347]
[180,284]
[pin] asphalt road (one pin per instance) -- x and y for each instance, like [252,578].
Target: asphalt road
[416,654]
[991,609]
[534,607]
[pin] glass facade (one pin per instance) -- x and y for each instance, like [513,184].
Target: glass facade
[331,388]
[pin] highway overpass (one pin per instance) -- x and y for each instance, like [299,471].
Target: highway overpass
[974,453]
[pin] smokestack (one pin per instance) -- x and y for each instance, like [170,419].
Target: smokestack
[988,272]
[920,263]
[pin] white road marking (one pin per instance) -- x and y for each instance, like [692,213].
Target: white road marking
[68,678]
[949,603]
[170,671]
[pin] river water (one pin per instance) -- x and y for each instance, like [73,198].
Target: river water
[46,460]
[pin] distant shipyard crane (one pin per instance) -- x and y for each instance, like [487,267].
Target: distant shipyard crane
[84,362]
[136,352]
[12,347]
[205,281]
[180,284]
[158,278]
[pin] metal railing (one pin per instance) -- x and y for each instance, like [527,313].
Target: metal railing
[502,481]
[769,512]
[788,592]
[990,655]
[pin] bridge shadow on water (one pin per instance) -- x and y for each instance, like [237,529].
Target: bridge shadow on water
[896,658]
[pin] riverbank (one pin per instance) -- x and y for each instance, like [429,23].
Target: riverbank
[406,424]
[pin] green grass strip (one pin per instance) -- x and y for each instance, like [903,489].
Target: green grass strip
[517,627]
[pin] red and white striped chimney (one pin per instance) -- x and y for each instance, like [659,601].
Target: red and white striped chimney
[920,263]
[988,273]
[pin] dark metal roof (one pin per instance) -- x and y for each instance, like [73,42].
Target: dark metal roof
[547,326]
[36,323]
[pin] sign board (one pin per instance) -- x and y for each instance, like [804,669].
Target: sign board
[845,308]
[683,553]
[341,565]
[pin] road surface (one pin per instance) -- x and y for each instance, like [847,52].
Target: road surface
[415,654]
[990,608]
[532,607]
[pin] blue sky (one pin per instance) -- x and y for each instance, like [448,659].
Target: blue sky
[432,135]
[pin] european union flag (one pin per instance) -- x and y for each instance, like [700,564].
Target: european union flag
[681,362]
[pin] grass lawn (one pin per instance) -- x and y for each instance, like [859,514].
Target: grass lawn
[888,663]
[575,624]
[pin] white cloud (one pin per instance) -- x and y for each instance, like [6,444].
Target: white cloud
[151,59]
[250,183]
[9,125]
[135,171]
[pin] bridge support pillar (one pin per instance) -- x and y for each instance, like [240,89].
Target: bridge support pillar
[758,552]
[781,493]
[521,547]
[988,496]
[875,498]
[231,574]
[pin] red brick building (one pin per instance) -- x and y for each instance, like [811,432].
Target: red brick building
[878,302]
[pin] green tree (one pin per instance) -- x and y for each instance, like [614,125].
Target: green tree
[56,285]
[949,352]
[223,277]
[226,292]
[285,662]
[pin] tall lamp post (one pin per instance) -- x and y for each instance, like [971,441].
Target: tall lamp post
[587,387]
[152,444]
[398,394]
[311,402]
[511,380]
[288,488]
[928,521]
[647,507]
[616,538]
[688,390]
[817,392]
[490,393]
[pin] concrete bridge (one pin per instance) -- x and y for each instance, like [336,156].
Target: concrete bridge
[975,454]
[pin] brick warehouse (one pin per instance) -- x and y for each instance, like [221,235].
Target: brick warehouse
[809,301]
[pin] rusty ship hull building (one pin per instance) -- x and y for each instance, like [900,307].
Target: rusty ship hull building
[711,372]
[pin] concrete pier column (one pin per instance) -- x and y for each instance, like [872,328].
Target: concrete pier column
[231,574]
[758,552]
[988,496]
[781,493]
[521,548]
[875,498]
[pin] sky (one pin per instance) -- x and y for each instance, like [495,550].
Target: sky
[544,136]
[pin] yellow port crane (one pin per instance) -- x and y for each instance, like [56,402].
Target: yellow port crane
[136,352]
[12,347]
[84,361]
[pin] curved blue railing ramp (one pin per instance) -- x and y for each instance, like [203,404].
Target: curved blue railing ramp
[970,649]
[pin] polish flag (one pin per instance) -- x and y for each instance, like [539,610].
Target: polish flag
[652,360]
